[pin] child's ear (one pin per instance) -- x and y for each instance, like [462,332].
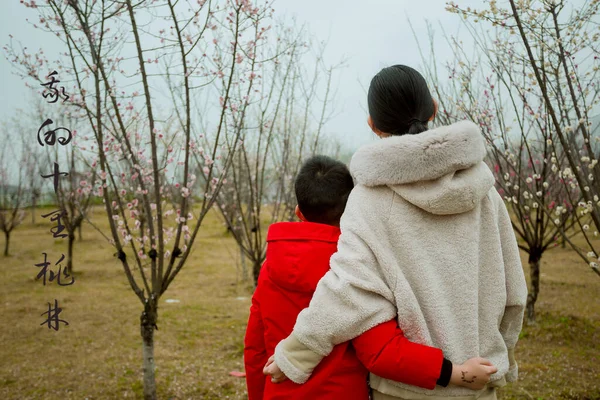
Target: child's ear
[299,214]
[435,110]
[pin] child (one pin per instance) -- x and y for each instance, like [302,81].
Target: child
[297,257]
[426,236]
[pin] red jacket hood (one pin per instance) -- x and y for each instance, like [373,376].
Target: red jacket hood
[298,253]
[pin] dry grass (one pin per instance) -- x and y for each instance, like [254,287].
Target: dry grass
[559,355]
[98,356]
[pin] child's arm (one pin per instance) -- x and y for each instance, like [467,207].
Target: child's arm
[516,288]
[255,355]
[386,352]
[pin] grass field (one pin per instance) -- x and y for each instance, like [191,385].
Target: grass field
[199,341]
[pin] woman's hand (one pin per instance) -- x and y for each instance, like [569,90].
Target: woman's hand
[271,368]
[474,374]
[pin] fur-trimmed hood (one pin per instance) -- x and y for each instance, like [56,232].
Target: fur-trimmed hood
[440,171]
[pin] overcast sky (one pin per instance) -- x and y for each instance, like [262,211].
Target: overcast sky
[369,35]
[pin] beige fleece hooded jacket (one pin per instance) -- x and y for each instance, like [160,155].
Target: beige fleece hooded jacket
[426,238]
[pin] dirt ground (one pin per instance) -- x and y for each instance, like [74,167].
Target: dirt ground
[199,341]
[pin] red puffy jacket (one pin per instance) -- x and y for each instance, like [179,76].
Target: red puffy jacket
[298,256]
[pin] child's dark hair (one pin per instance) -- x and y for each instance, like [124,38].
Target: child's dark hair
[399,101]
[322,189]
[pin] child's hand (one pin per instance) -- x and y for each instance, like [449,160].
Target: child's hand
[273,370]
[473,374]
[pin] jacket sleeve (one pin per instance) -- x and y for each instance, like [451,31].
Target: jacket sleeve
[351,298]
[255,354]
[516,288]
[387,353]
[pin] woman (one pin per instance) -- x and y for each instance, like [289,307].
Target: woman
[424,235]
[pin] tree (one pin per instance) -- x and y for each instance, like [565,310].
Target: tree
[122,63]
[259,188]
[491,90]
[15,170]
[558,55]
[74,195]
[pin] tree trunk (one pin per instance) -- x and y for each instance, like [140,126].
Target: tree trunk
[256,271]
[564,237]
[7,236]
[79,230]
[70,253]
[148,324]
[534,285]
[244,269]
[142,234]
[33,211]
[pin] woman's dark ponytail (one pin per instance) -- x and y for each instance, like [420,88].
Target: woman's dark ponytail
[399,101]
[417,127]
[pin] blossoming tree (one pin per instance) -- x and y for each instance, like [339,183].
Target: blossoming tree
[556,48]
[165,88]
[489,88]
[259,187]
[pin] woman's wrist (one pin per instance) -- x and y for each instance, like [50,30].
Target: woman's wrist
[455,378]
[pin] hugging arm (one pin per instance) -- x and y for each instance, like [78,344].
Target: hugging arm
[386,352]
[350,299]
